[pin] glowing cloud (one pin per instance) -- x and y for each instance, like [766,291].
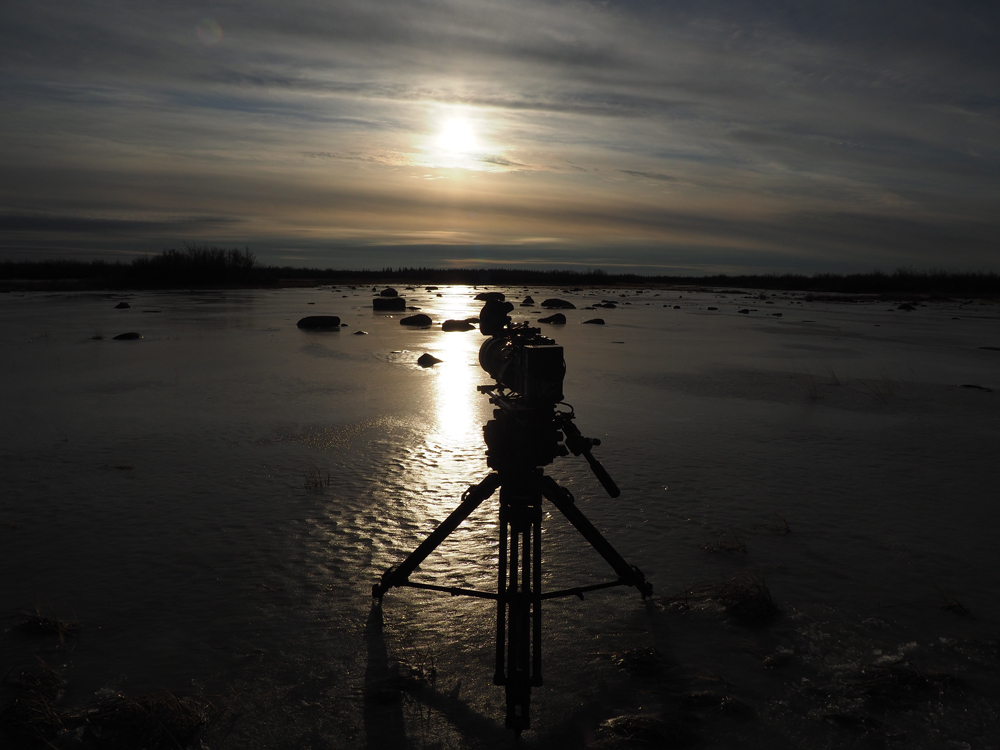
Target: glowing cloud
[208,31]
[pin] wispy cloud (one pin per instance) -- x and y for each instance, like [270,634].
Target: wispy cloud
[799,133]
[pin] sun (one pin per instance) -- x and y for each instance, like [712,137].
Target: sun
[457,137]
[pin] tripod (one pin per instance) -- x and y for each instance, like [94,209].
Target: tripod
[520,440]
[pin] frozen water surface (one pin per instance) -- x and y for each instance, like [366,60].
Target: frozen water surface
[213,502]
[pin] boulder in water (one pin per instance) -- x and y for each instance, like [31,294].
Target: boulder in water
[559,304]
[457,325]
[130,336]
[388,292]
[122,306]
[320,323]
[594,322]
[389,304]
[490,297]
[556,319]
[427,360]
[419,320]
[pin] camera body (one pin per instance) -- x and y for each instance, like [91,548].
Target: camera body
[520,358]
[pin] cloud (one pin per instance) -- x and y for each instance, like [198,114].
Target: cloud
[844,131]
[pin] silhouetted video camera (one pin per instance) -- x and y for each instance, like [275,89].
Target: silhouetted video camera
[519,358]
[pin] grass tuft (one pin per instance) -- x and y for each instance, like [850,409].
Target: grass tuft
[316,479]
[35,623]
[729,542]
[155,722]
[744,597]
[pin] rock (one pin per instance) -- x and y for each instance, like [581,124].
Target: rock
[412,308]
[609,305]
[388,292]
[676,307]
[122,306]
[320,323]
[426,360]
[593,321]
[130,336]
[964,385]
[389,304]
[457,325]
[472,320]
[360,333]
[906,306]
[430,288]
[490,297]
[556,319]
[744,311]
[713,308]
[559,304]
[528,300]
[777,315]
[419,320]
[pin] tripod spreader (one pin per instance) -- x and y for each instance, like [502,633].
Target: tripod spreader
[471,499]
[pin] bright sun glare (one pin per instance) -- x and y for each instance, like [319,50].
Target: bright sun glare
[457,137]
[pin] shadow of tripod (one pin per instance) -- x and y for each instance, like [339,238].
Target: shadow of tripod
[521,439]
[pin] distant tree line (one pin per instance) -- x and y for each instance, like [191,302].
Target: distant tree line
[213,266]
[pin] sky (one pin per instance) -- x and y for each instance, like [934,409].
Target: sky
[652,137]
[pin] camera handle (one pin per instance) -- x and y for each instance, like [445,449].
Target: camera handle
[580,446]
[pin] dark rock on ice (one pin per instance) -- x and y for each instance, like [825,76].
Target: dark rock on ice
[389,304]
[427,360]
[594,321]
[320,323]
[122,306]
[130,336]
[557,319]
[964,385]
[430,288]
[744,311]
[360,333]
[457,325]
[528,301]
[713,308]
[559,304]
[906,306]
[490,297]
[676,307]
[388,292]
[420,321]
[987,348]
[472,320]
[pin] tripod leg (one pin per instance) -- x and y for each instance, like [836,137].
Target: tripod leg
[536,601]
[498,673]
[519,589]
[563,500]
[472,498]
[518,680]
